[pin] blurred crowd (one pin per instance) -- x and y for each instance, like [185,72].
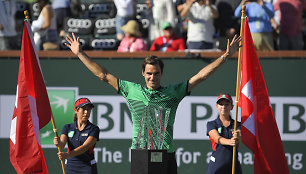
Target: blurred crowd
[155,25]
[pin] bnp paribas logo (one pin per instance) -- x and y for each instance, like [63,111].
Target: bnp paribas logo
[62,102]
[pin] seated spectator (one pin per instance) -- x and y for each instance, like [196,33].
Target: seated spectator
[200,15]
[132,41]
[44,28]
[168,42]
[260,14]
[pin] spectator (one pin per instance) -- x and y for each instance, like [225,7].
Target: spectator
[290,20]
[132,42]
[260,15]
[226,25]
[62,11]
[44,28]
[168,42]
[182,23]
[125,11]
[200,15]
[8,34]
[159,11]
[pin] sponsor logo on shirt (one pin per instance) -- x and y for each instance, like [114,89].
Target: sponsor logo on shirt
[70,134]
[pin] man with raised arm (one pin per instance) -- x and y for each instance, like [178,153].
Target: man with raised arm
[153,94]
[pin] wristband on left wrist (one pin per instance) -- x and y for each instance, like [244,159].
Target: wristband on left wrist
[223,58]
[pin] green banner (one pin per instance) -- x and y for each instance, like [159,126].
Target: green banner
[62,104]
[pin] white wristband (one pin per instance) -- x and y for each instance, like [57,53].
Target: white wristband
[223,58]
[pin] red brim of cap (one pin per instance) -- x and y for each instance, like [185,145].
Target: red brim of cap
[225,99]
[83,104]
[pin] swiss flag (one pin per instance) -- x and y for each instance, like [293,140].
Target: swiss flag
[32,111]
[259,129]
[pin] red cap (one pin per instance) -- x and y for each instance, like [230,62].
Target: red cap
[225,96]
[82,102]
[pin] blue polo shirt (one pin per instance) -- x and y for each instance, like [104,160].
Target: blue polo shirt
[259,16]
[222,155]
[76,138]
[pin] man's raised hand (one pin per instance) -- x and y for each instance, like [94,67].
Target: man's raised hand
[73,44]
[232,46]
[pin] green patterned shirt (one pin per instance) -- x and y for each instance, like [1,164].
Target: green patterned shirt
[138,97]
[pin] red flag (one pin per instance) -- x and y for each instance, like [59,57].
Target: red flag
[32,111]
[259,129]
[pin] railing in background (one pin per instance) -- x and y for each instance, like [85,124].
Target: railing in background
[114,54]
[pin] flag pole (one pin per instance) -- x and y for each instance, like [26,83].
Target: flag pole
[238,84]
[58,148]
[27,18]
[26,14]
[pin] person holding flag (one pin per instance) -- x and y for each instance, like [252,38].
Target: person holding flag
[81,137]
[223,138]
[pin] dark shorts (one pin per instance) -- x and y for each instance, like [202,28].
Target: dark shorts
[201,45]
[9,43]
[72,168]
